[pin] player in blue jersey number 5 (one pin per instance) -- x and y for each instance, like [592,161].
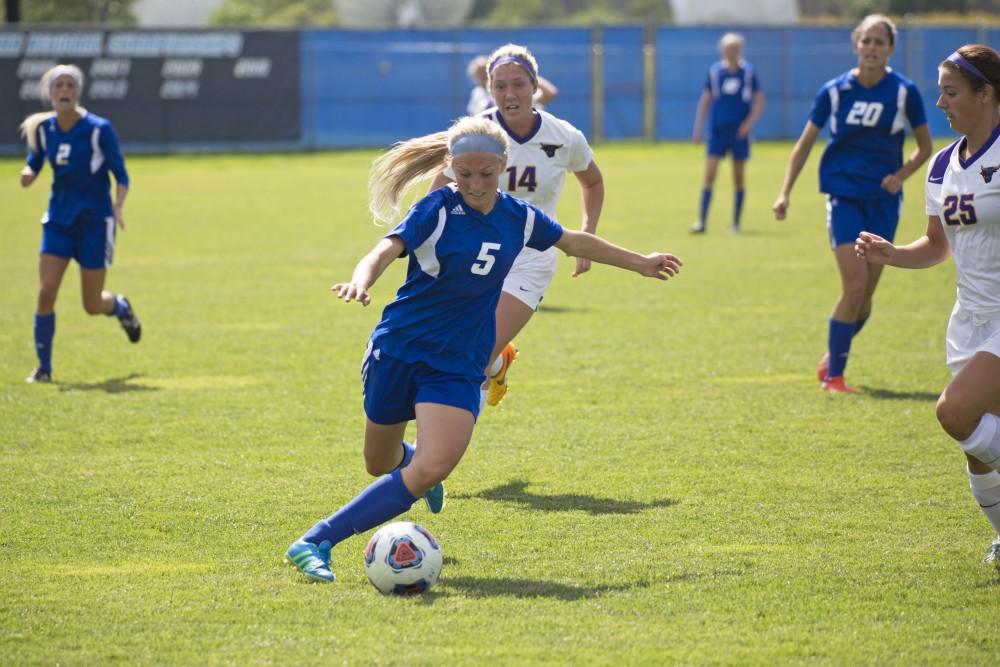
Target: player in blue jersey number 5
[426,357]
[862,174]
[963,208]
[81,220]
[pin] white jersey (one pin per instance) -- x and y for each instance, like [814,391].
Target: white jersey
[965,195]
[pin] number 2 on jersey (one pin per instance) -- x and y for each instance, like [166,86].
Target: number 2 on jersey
[958,210]
[484,262]
[62,154]
[527,181]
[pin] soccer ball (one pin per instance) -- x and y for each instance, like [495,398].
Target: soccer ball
[402,558]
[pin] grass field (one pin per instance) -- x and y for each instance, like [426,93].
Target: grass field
[665,482]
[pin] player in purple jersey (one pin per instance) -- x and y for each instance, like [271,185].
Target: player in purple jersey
[732,93]
[862,173]
[81,220]
[426,357]
[963,207]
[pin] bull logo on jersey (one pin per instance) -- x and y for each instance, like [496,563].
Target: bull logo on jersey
[550,149]
[987,173]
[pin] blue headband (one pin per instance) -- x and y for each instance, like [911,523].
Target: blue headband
[959,60]
[517,60]
[476,143]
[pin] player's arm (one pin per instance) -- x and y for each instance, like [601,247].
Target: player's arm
[369,269]
[582,244]
[699,117]
[797,160]
[592,195]
[28,176]
[439,181]
[930,249]
[546,91]
[121,191]
[894,182]
[756,109]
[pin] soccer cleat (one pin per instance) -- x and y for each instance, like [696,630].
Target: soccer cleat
[993,553]
[698,228]
[734,228]
[130,323]
[498,383]
[837,385]
[311,560]
[824,367]
[39,375]
[434,498]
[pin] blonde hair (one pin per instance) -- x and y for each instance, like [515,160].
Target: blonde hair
[476,65]
[873,20]
[409,162]
[731,38]
[29,126]
[515,51]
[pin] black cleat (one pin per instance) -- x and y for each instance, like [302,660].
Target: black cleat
[38,375]
[130,323]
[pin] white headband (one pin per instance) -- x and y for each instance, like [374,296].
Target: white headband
[65,70]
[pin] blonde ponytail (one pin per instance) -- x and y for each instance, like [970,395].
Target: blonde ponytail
[29,128]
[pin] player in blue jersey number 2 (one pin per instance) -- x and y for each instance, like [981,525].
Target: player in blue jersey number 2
[963,207]
[426,357]
[81,220]
[862,173]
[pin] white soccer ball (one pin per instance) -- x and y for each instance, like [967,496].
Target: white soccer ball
[403,558]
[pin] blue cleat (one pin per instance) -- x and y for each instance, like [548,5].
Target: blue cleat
[434,498]
[311,560]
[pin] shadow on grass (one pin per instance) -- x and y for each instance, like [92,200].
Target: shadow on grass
[561,309]
[515,492]
[890,395]
[539,588]
[110,386]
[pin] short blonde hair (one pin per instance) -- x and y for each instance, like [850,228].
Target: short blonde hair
[514,51]
[29,126]
[731,38]
[873,20]
[409,162]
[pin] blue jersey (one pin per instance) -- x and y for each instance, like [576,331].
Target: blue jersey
[81,159]
[732,93]
[866,132]
[444,314]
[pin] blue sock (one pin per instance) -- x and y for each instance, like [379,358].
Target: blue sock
[45,331]
[738,207]
[859,325]
[408,451]
[385,498]
[121,309]
[839,343]
[706,199]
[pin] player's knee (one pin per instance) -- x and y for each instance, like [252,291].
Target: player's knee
[47,296]
[93,306]
[954,419]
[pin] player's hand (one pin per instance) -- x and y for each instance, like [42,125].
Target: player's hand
[662,266]
[352,291]
[780,207]
[116,210]
[582,266]
[874,249]
[696,137]
[892,184]
[743,132]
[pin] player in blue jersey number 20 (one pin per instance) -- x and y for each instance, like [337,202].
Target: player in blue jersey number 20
[81,220]
[426,357]
[862,174]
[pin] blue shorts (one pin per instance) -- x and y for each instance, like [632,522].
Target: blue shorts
[392,388]
[90,242]
[723,139]
[846,218]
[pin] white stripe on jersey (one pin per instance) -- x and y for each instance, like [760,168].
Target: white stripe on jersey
[41,136]
[834,106]
[109,241]
[529,225]
[899,122]
[426,253]
[97,159]
[747,83]
[713,76]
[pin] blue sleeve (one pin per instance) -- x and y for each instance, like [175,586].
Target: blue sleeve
[546,232]
[420,222]
[915,112]
[820,111]
[754,81]
[116,163]
[36,161]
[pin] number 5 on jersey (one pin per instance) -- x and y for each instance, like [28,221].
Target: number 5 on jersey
[484,262]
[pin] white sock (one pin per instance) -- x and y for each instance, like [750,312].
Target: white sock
[496,366]
[986,491]
[482,400]
[984,443]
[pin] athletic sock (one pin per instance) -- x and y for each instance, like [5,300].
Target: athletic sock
[121,308]
[45,331]
[706,199]
[984,443]
[859,325]
[839,344]
[408,451]
[497,366]
[986,491]
[738,207]
[385,498]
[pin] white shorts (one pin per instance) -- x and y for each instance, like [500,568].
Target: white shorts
[968,334]
[531,275]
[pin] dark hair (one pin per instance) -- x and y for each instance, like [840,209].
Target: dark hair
[984,59]
[872,20]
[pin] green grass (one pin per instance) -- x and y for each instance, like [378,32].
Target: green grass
[665,482]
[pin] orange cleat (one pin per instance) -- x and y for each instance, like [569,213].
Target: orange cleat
[837,385]
[498,383]
[824,367]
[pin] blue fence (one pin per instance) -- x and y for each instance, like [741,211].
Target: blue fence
[371,88]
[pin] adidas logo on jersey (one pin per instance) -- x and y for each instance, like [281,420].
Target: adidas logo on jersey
[458,210]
